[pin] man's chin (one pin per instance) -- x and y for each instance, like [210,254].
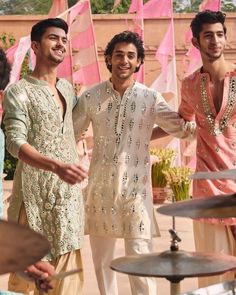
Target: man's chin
[57,61]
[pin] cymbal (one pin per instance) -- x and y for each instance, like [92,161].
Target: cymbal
[174,265]
[19,247]
[221,206]
[223,174]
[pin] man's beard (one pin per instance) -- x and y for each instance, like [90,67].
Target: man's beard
[56,60]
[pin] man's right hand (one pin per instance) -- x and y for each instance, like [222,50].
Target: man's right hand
[71,173]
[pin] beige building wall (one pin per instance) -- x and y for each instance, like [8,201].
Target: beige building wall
[106,26]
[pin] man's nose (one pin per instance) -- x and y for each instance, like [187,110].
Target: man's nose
[215,38]
[125,59]
[60,42]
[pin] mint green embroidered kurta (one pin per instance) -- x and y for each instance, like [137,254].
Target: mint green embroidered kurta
[54,208]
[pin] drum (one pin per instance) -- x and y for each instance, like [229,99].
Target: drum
[226,288]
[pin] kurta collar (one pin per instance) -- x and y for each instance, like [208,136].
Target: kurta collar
[111,88]
[227,74]
[36,81]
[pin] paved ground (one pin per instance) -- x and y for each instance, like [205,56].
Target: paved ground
[184,228]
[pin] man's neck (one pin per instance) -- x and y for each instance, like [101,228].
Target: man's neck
[121,85]
[218,68]
[44,73]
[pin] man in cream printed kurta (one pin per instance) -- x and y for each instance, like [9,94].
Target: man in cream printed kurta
[209,97]
[118,195]
[39,131]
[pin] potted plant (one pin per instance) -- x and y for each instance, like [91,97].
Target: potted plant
[179,182]
[163,160]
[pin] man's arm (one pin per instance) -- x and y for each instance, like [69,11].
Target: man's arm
[171,122]
[70,173]
[16,123]
[157,133]
[81,118]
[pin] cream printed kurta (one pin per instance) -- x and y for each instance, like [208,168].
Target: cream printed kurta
[216,133]
[118,195]
[54,208]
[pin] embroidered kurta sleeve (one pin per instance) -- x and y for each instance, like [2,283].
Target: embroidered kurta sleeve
[81,117]
[186,109]
[170,121]
[15,120]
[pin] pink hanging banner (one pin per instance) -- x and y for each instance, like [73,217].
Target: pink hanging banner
[213,5]
[19,55]
[58,6]
[166,48]
[157,8]
[136,6]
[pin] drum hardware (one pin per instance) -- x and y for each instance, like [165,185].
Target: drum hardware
[174,265]
[221,206]
[223,174]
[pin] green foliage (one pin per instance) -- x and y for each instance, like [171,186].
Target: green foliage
[99,6]
[185,6]
[9,166]
[228,6]
[7,40]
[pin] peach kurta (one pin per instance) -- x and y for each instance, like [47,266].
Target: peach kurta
[216,133]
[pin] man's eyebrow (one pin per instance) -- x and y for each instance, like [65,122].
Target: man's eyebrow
[120,51]
[55,35]
[212,32]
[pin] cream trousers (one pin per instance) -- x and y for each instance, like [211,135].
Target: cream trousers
[70,285]
[103,252]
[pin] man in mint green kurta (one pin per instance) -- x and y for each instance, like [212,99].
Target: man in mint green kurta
[53,207]
[39,132]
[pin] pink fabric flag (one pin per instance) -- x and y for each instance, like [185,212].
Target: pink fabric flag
[19,55]
[81,64]
[166,83]
[195,60]
[136,6]
[213,5]
[157,8]
[188,36]
[58,6]
[11,52]
[166,49]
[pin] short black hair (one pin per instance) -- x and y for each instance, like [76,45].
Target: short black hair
[127,37]
[40,28]
[207,17]
[5,70]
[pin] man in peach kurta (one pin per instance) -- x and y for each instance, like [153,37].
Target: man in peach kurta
[209,95]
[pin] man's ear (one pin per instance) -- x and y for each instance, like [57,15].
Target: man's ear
[108,60]
[1,96]
[139,62]
[34,46]
[195,42]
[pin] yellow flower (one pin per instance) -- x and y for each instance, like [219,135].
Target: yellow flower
[179,181]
